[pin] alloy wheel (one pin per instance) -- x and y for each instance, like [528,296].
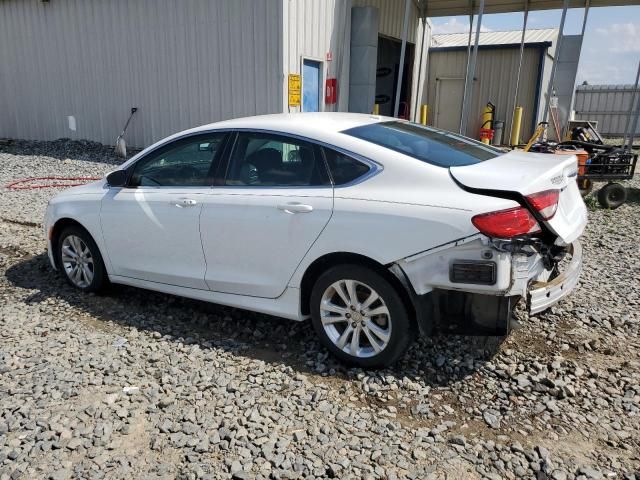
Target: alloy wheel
[77,261]
[355,318]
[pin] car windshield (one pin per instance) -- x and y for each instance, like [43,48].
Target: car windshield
[439,147]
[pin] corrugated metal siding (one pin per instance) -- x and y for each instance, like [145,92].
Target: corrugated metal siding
[311,30]
[495,38]
[182,63]
[392,17]
[607,104]
[495,80]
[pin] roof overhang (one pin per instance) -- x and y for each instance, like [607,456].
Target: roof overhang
[445,8]
[500,46]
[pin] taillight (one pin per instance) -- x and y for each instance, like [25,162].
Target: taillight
[546,203]
[506,223]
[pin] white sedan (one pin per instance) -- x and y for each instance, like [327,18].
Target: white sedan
[377,229]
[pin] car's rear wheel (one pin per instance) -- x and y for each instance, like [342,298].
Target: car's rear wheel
[79,259]
[360,317]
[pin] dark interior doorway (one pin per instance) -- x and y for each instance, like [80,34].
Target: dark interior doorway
[387,70]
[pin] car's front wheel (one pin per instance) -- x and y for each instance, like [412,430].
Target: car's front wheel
[79,260]
[360,317]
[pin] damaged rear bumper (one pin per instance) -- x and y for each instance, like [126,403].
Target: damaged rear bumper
[542,295]
[444,304]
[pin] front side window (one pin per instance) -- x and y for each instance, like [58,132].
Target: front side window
[269,160]
[189,162]
[438,147]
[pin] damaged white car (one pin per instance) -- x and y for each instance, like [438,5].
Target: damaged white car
[377,229]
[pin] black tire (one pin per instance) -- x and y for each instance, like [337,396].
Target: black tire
[100,279]
[612,195]
[402,332]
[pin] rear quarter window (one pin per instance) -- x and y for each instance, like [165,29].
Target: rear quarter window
[438,147]
[343,168]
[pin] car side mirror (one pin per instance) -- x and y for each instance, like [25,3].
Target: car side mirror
[117,178]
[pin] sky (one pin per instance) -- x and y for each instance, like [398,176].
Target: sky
[611,46]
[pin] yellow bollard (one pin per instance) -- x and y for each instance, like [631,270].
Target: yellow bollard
[376,109]
[516,126]
[424,112]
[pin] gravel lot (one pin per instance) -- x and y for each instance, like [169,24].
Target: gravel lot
[134,384]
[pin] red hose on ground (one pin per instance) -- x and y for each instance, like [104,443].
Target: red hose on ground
[16,184]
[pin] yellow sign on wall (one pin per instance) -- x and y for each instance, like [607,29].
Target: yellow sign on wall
[294,90]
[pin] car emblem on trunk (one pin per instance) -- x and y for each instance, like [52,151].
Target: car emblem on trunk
[557,179]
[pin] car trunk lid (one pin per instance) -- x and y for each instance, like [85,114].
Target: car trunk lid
[527,174]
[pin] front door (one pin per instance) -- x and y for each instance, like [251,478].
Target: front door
[257,227]
[311,79]
[151,227]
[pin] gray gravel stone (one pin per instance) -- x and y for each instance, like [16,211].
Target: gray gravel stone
[136,384]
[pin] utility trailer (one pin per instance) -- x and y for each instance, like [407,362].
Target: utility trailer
[605,163]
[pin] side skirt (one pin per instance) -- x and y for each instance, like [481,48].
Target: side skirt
[286,305]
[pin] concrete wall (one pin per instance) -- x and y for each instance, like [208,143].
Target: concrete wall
[182,63]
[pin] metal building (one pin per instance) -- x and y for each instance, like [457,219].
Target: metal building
[494,80]
[75,68]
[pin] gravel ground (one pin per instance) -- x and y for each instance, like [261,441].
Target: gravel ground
[134,384]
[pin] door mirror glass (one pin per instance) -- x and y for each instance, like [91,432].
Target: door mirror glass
[117,178]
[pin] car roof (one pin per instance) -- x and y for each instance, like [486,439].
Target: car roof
[298,123]
[319,126]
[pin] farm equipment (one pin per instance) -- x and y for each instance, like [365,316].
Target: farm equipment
[597,162]
[605,163]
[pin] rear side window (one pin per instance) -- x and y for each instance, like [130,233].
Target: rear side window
[438,147]
[268,160]
[343,168]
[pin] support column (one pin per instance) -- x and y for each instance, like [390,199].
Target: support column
[363,59]
[405,28]
[466,70]
[515,93]
[468,86]
[634,122]
[550,89]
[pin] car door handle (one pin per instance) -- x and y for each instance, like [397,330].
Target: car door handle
[184,202]
[295,208]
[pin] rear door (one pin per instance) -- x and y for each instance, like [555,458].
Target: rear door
[273,203]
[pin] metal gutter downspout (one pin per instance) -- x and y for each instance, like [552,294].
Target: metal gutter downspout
[556,57]
[405,27]
[468,93]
